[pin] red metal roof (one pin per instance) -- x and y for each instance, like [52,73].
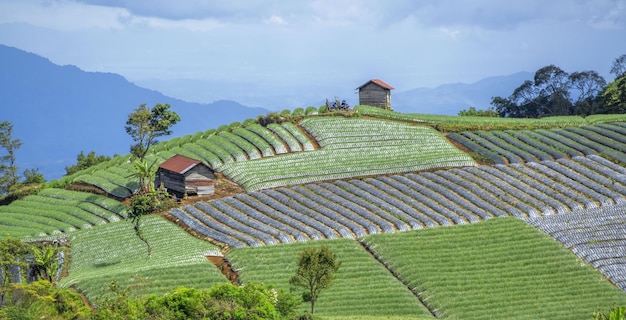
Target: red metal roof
[378,82]
[179,164]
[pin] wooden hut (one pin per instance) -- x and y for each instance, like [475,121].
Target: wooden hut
[181,176]
[375,93]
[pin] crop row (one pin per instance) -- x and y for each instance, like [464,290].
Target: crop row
[458,123]
[54,211]
[498,269]
[356,208]
[113,252]
[595,235]
[521,146]
[351,148]
[215,150]
[363,286]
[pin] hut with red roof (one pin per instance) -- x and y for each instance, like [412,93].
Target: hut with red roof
[182,176]
[375,93]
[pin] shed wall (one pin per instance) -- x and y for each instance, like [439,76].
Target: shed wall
[374,95]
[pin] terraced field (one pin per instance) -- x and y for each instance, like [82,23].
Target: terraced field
[351,147]
[363,287]
[113,252]
[356,208]
[55,211]
[394,199]
[498,269]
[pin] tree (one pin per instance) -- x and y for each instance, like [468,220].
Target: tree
[316,272]
[619,66]
[145,126]
[145,174]
[472,112]
[141,205]
[586,86]
[85,161]
[12,253]
[614,96]
[8,170]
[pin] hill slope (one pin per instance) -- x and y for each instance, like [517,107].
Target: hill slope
[48,103]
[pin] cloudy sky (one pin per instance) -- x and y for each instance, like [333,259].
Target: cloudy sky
[248,50]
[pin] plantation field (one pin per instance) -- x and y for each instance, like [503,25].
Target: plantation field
[113,252]
[55,211]
[386,204]
[595,236]
[363,286]
[463,123]
[351,147]
[497,269]
[520,146]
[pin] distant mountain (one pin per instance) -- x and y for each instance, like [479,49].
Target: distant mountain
[449,99]
[57,111]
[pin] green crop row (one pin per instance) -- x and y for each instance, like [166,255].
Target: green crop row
[374,152]
[497,269]
[363,286]
[113,252]
[458,123]
[519,146]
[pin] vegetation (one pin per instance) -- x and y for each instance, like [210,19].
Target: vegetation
[316,272]
[493,270]
[112,252]
[85,161]
[363,289]
[346,151]
[472,112]
[146,125]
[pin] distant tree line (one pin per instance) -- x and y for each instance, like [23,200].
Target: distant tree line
[554,92]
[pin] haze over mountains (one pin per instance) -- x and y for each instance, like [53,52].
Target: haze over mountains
[59,111]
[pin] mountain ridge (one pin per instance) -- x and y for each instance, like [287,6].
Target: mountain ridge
[46,102]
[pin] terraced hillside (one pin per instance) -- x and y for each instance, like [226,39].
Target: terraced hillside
[412,217]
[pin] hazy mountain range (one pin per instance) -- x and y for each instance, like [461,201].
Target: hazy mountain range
[59,111]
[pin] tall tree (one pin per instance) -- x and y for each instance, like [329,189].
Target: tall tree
[8,170]
[619,67]
[586,86]
[316,271]
[85,161]
[146,125]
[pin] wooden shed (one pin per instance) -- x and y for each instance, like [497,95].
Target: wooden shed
[375,93]
[181,176]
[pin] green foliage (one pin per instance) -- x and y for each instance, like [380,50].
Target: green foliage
[614,96]
[322,109]
[8,170]
[41,300]
[493,270]
[146,125]
[146,203]
[472,112]
[113,252]
[45,261]
[234,125]
[85,161]
[310,110]
[615,313]
[316,271]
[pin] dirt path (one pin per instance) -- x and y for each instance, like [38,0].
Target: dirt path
[224,266]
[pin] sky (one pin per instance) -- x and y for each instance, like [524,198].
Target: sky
[284,53]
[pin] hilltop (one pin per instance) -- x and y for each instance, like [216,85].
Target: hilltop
[445,210]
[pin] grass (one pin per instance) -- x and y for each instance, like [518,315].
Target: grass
[497,269]
[363,286]
[113,252]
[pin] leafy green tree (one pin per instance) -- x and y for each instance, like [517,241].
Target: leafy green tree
[472,112]
[46,262]
[85,161]
[12,254]
[146,125]
[615,313]
[8,169]
[141,205]
[145,173]
[316,271]
[614,96]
